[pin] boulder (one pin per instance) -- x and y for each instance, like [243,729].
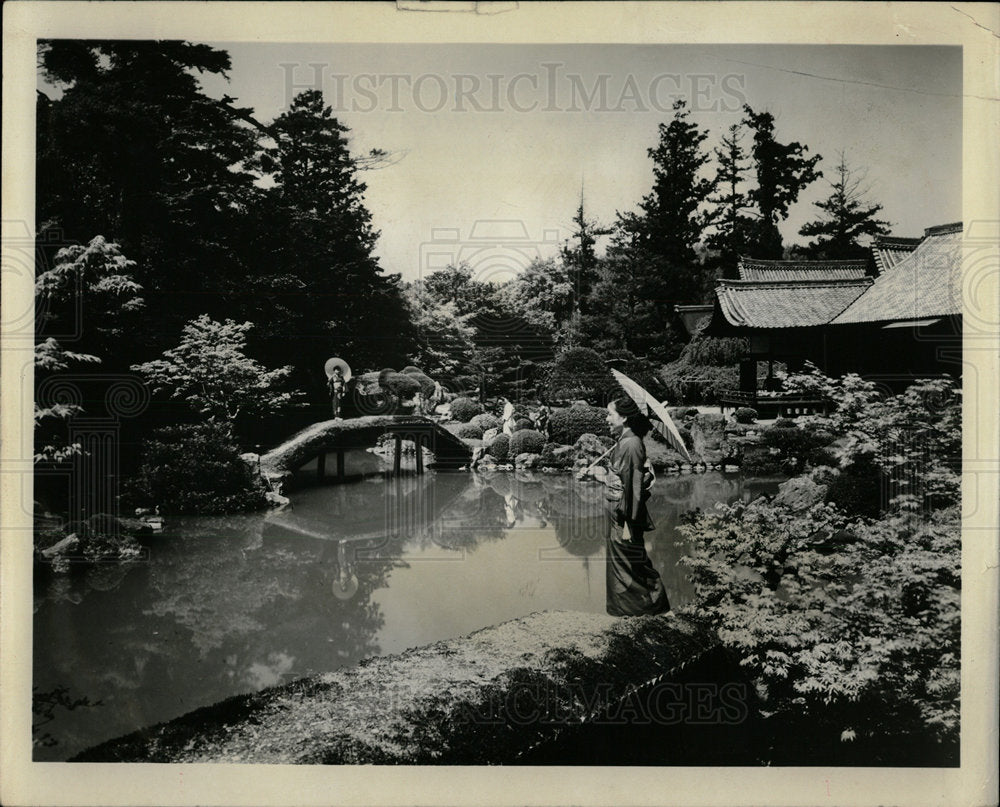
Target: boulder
[589,447]
[276,499]
[527,460]
[800,493]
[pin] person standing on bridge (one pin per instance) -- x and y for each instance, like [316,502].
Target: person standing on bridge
[338,373]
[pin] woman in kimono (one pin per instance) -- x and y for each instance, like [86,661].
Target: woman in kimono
[633,586]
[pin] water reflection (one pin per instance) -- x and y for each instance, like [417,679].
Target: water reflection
[229,605]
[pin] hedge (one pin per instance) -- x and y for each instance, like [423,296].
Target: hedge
[465,409]
[500,447]
[486,421]
[566,425]
[526,441]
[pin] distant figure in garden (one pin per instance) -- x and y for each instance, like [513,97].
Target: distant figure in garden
[634,586]
[508,417]
[437,397]
[540,417]
[335,385]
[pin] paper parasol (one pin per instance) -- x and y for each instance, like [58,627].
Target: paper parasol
[345,368]
[658,414]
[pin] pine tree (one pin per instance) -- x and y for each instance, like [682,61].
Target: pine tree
[846,218]
[782,171]
[313,250]
[579,256]
[734,228]
[136,152]
[673,219]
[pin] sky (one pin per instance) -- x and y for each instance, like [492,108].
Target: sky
[492,144]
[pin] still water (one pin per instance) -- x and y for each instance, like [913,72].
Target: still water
[222,606]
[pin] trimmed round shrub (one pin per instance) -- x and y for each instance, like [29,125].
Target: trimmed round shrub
[784,423]
[195,468]
[566,425]
[522,423]
[411,370]
[745,415]
[486,421]
[401,385]
[383,374]
[526,441]
[578,372]
[500,447]
[464,409]
[470,430]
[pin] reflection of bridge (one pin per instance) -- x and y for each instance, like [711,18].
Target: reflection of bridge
[336,436]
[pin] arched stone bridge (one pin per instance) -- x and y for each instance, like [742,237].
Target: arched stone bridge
[336,436]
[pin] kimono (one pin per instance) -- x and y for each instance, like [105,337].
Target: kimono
[634,587]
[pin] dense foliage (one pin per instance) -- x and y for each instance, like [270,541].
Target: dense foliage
[195,468]
[566,425]
[465,409]
[499,447]
[211,373]
[526,441]
[850,623]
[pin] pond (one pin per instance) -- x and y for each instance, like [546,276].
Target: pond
[222,606]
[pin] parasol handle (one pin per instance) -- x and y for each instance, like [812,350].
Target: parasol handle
[586,470]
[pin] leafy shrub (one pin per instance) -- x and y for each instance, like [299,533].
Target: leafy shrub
[566,425]
[486,421]
[526,440]
[401,385]
[695,384]
[796,447]
[195,468]
[857,489]
[470,430]
[465,409]
[411,370]
[523,423]
[861,643]
[745,415]
[499,447]
[578,373]
[784,423]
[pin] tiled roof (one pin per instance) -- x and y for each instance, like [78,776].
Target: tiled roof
[751,269]
[926,283]
[757,304]
[887,251]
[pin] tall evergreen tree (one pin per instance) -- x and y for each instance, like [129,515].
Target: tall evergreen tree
[782,171]
[846,217]
[673,220]
[135,151]
[579,256]
[733,226]
[313,250]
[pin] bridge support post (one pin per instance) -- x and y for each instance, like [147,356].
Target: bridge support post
[418,443]
[340,463]
[397,456]
[321,466]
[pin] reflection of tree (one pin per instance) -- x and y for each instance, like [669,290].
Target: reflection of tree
[43,711]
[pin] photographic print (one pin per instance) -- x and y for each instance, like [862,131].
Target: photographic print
[499,405]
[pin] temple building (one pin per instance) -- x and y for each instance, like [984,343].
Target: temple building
[892,318]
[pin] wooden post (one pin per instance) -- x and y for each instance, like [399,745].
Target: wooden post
[321,466]
[340,463]
[397,457]
[419,445]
